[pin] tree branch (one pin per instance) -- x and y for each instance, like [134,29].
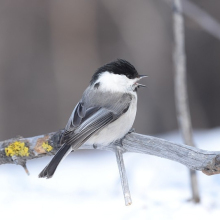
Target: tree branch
[122,172]
[206,161]
[180,84]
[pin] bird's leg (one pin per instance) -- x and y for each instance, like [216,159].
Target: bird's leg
[124,182]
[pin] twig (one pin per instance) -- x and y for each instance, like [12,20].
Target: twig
[26,169]
[182,106]
[124,181]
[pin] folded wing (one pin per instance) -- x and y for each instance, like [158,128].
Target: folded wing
[84,122]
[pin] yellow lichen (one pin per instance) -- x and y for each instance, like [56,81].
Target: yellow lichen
[17,148]
[47,147]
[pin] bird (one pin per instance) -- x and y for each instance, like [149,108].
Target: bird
[105,113]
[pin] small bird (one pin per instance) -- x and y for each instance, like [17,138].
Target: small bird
[105,113]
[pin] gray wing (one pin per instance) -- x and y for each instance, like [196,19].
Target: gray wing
[91,114]
[88,118]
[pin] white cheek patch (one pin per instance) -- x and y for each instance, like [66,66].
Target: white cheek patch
[115,82]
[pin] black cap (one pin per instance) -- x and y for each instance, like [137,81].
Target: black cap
[120,67]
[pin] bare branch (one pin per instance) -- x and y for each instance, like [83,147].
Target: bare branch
[181,96]
[206,161]
[180,83]
[122,172]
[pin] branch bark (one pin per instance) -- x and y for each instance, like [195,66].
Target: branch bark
[206,161]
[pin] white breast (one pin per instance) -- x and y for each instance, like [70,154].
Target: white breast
[117,129]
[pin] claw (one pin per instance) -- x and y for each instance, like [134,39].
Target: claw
[119,142]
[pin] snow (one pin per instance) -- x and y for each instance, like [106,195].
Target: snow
[87,186]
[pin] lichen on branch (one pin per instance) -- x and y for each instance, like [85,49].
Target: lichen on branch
[17,148]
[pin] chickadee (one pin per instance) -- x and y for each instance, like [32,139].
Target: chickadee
[105,113]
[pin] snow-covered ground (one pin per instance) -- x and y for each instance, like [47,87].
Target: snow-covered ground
[87,186]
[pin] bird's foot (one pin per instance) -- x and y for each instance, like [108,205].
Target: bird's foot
[119,144]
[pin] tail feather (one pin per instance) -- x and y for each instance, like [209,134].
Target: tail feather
[49,170]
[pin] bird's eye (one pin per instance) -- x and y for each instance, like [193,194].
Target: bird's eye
[96,86]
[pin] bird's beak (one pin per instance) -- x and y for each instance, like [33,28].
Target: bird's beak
[139,78]
[142,76]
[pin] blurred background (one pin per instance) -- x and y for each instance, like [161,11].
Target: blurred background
[50,49]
